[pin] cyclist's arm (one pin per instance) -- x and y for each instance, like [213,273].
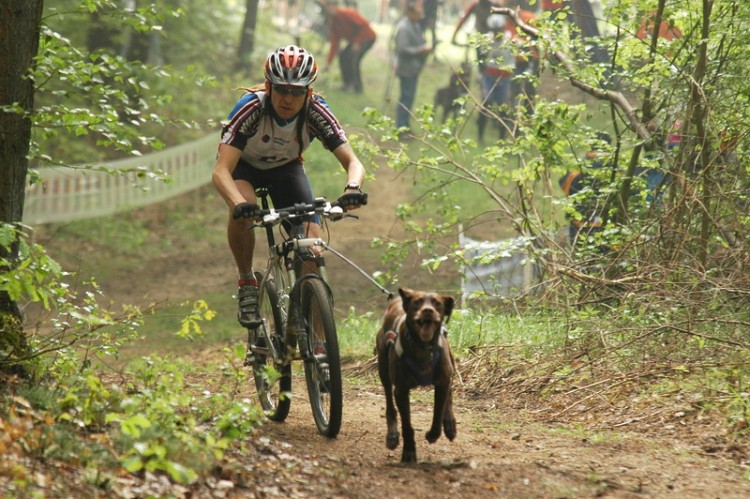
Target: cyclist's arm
[355,171]
[221,177]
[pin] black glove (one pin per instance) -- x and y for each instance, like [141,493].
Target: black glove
[352,199]
[246,210]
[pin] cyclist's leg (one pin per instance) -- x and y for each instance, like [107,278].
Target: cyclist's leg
[242,244]
[288,184]
[241,237]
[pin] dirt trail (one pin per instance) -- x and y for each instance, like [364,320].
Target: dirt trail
[500,451]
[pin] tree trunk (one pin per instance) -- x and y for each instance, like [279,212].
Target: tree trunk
[101,37]
[700,118]
[247,38]
[19,43]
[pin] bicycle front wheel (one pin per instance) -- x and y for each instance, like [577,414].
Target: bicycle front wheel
[323,363]
[273,378]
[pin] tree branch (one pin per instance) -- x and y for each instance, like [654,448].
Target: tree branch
[616,98]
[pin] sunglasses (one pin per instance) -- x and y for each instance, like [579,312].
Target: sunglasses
[293,91]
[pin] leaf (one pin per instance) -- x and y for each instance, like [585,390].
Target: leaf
[132,463]
[133,425]
[180,473]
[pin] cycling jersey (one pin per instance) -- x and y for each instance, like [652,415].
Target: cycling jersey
[268,141]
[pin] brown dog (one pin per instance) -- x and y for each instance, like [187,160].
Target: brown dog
[413,351]
[458,86]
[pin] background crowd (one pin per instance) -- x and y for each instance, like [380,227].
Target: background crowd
[505,64]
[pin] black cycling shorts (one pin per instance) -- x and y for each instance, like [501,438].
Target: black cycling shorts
[287,184]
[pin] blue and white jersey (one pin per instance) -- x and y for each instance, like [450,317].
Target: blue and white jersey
[267,141]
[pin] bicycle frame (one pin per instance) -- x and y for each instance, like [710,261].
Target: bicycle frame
[285,262]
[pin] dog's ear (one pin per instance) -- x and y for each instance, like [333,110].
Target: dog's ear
[448,303]
[406,295]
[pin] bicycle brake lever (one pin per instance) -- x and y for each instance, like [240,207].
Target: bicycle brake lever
[336,213]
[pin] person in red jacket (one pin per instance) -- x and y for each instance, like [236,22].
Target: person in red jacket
[346,23]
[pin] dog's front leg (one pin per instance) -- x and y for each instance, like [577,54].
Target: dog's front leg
[438,411]
[409,454]
[392,437]
[449,420]
[386,374]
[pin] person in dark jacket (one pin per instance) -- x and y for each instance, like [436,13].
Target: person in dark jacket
[411,52]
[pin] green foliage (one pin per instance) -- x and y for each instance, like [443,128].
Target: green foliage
[157,422]
[33,274]
[114,99]
[157,407]
[191,324]
[356,334]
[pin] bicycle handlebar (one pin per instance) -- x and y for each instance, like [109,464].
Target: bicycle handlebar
[331,210]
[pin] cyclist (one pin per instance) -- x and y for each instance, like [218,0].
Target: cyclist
[261,145]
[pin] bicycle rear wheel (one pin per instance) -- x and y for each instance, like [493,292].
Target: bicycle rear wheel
[274,393]
[323,365]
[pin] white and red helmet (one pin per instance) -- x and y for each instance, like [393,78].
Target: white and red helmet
[291,65]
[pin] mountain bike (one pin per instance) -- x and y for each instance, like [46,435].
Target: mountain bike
[296,309]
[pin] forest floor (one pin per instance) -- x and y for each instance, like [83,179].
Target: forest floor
[506,447]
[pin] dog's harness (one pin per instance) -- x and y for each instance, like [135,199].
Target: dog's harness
[423,371]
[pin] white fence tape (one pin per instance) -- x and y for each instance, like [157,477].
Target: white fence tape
[67,194]
[498,269]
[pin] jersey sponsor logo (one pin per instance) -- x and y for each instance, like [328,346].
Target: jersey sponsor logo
[321,123]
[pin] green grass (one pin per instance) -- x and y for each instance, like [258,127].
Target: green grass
[467,329]
[161,328]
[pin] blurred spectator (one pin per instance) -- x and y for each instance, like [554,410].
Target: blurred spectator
[480,11]
[654,174]
[346,23]
[552,5]
[429,21]
[411,52]
[667,29]
[496,73]
[526,71]
[583,187]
